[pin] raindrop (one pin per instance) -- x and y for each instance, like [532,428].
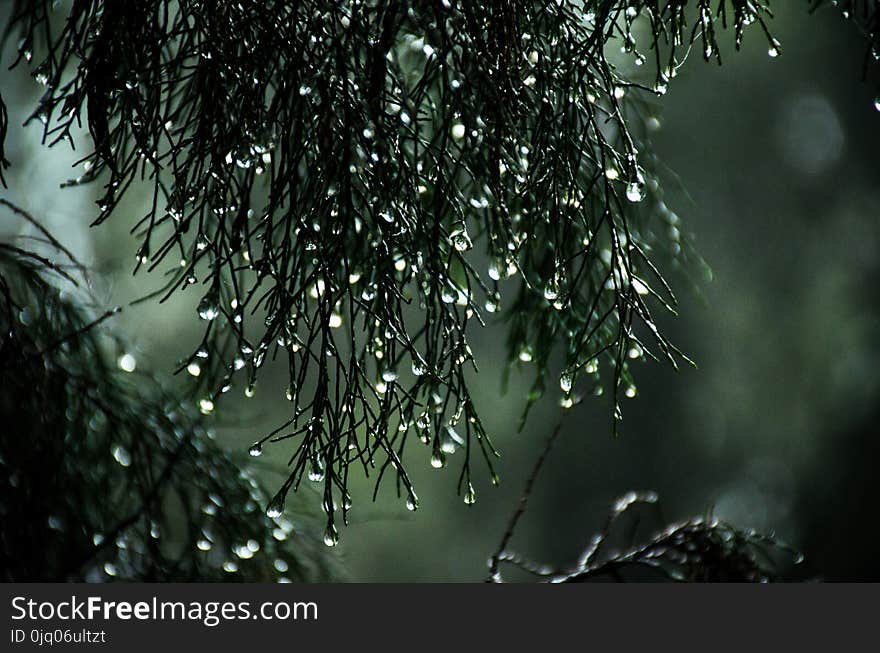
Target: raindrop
[256,449]
[194,369]
[551,291]
[121,455]
[458,131]
[110,569]
[635,191]
[566,381]
[203,545]
[41,75]
[448,294]
[331,536]
[412,501]
[127,363]
[209,306]
[460,239]
[316,473]
[526,354]
[275,508]
[470,497]
[206,406]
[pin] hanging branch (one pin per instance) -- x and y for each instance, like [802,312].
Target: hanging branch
[331,179]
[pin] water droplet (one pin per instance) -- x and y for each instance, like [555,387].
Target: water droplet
[230,566]
[127,363]
[526,354]
[316,472]
[877,103]
[250,390]
[256,449]
[630,391]
[194,369]
[460,239]
[206,406]
[438,459]
[275,507]
[335,321]
[635,191]
[110,569]
[566,381]
[551,291]
[458,131]
[331,536]
[209,306]
[121,455]
[41,76]
[412,501]
[470,497]
[280,565]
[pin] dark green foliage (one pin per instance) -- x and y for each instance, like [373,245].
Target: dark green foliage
[336,177]
[698,550]
[103,475]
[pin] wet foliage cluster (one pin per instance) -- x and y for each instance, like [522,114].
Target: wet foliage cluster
[103,476]
[697,550]
[347,188]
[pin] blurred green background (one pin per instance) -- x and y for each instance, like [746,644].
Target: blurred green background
[777,427]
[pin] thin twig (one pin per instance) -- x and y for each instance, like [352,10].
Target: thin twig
[494,575]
